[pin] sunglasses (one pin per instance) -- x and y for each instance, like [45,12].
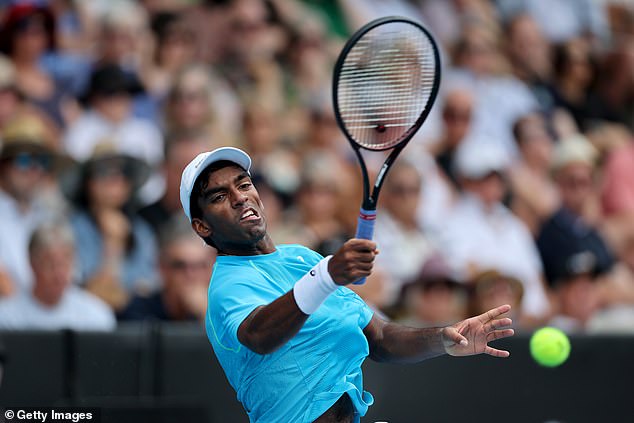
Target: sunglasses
[28,161]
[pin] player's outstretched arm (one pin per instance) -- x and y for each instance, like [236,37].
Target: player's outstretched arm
[390,342]
[269,327]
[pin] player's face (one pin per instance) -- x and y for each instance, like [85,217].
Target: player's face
[233,214]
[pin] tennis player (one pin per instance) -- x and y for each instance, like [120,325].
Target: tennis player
[288,334]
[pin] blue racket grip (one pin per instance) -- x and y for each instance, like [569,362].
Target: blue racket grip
[365,230]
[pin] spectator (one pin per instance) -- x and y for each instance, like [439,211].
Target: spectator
[404,245]
[116,248]
[200,101]
[574,70]
[529,54]
[180,149]
[185,266]
[482,234]
[54,302]
[433,297]
[561,20]
[534,195]
[108,98]
[319,202]
[490,286]
[616,291]
[500,97]
[457,115]
[574,173]
[617,194]
[28,159]
[28,32]
[573,225]
[528,50]
[175,49]
[110,116]
[572,276]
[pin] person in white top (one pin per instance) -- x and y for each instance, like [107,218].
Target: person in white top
[28,165]
[482,233]
[110,118]
[54,302]
[403,244]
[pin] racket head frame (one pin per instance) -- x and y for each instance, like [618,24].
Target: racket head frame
[370,198]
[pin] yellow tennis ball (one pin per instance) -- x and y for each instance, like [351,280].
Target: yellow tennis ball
[549,346]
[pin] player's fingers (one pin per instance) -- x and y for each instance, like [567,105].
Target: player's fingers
[365,257]
[499,334]
[363,245]
[496,353]
[454,336]
[497,324]
[494,313]
[366,267]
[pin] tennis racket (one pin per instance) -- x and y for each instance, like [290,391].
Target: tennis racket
[385,82]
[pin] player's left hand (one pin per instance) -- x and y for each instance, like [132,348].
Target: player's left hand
[471,336]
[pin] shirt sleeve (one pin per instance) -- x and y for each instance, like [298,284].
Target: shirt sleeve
[231,299]
[365,312]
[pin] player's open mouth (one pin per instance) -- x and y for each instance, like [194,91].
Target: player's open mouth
[249,214]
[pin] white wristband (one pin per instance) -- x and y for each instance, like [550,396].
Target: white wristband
[314,287]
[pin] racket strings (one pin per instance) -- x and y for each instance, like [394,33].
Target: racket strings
[385,84]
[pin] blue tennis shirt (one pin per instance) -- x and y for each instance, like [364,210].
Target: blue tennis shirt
[306,376]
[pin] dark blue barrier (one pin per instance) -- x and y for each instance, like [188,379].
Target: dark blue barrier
[168,373]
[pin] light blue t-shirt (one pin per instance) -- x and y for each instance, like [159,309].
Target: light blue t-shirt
[306,376]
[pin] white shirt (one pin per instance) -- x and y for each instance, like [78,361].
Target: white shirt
[137,137]
[403,252]
[77,310]
[561,20]
[16,228]
[496,240]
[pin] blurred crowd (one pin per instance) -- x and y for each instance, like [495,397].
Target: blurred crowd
[518,189]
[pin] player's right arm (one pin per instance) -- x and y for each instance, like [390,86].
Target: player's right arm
[269,327]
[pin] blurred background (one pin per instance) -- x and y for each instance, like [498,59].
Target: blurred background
[518,189]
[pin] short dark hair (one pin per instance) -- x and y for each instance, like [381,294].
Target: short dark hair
[200,184]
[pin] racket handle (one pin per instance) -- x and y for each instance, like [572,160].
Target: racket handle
[365,230]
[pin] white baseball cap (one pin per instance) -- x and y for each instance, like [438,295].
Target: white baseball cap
[201,162]
[477,159]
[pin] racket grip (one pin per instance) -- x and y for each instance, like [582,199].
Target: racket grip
[365,230]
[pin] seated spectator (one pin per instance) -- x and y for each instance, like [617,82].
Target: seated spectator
[573,74]
[572,278]
[433,297]
[500,98]
[529,54]
[185,265]
[534,195]
[202,101]
[54,302]
[27,33]
[573,168]
[618,182]
[110,116]
[404,245]
[481,233]
[116,248]
[28,160]
[457,115]
[318,218]
[180,149]
[492,287]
